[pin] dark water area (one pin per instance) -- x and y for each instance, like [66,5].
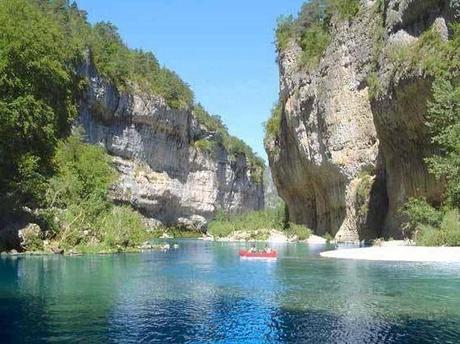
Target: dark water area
[203,293]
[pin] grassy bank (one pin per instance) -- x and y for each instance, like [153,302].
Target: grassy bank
[257,224]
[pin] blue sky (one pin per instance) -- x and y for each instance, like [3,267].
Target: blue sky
[222,48]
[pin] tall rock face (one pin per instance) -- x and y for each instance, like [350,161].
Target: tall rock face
[162,173]
[272,199]
[344,159]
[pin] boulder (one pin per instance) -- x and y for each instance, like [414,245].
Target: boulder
[30,237]
[193,223]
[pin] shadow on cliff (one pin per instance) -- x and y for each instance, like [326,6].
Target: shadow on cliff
[378,207]
[405,143]
[313,188]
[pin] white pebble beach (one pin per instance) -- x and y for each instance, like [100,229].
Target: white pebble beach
[398,253]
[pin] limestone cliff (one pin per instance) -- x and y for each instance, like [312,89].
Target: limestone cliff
[162,172]
[346,157]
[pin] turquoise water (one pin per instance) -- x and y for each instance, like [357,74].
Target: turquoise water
[202,292]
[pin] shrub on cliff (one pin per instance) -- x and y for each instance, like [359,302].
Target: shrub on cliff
[314,42]
[112,57]
[344,9]
[211,122]
[206,145]
[311,28]
[285,31]
[273,124]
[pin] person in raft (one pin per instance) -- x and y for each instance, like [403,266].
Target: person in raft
[267,249]
[253,248]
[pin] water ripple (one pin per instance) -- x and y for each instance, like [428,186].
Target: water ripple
[203,293]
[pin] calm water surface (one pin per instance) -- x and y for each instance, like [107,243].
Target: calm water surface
[202,292]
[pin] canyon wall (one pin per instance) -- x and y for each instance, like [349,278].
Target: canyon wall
[162,173]
[346,157]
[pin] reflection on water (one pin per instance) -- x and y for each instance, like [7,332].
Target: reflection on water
[202,292]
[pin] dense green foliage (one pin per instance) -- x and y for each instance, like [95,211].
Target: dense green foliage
[257,224]
[314,42]
[440,60]
[430,226]
[311,28]
[224,224]
[126,66]
[299,231]
[63,183]
[447,233]
[285,31]
[418,211]
[345,9]
[82,215]
[37,101]
[444,121]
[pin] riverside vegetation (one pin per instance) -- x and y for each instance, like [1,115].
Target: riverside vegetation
[440,225]
[258,225]
[48,175]
[435,58]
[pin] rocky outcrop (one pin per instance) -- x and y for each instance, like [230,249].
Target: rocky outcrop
[345,160]
[162,173]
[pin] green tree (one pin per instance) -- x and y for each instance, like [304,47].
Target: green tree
[84,172]
[440,60]
[37,100]
[444,120]
[77,198]
[110,55]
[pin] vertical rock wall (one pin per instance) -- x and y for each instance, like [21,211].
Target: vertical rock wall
[162,174]
[345,161]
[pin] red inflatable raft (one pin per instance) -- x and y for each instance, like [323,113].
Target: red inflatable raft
[249,254]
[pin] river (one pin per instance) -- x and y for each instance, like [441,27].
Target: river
[203,293]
